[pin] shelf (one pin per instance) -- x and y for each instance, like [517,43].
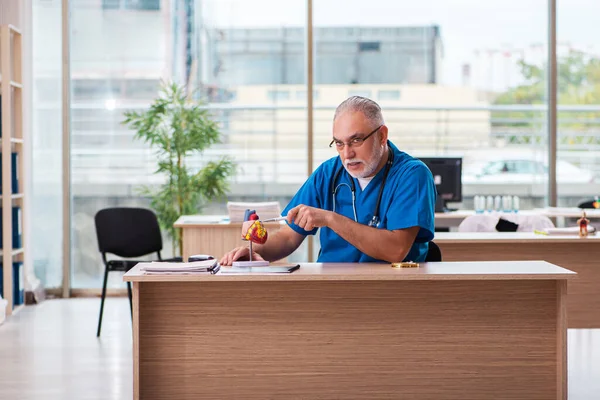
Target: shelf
[13,84]
[11,80]
[14,140]
[15,196]
[14,29]
[15,252]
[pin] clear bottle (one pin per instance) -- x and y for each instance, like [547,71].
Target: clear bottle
[479,204]
[507,204]
[489,204]
[497,203]
[515,204]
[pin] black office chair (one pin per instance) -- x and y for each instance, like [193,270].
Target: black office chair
[434,254]
[128,233]
[587,204]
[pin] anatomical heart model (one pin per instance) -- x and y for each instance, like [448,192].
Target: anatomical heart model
[253,231]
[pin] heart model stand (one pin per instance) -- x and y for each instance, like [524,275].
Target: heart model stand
[253,231]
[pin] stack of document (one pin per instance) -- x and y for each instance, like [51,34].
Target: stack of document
[264,210]
[573,230]
[197,267]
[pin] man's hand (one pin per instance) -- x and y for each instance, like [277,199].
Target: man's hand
[309,218]
[240,253]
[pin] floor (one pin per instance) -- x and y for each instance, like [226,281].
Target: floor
[50,351]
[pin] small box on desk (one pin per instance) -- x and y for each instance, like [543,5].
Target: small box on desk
[17,228]
[18,283]
[14,173]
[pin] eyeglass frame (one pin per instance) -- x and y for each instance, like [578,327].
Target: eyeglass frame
[355,140]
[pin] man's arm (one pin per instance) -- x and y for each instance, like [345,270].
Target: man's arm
[380,244]
[283,243]
[279,245]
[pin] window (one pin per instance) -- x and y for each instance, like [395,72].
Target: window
[301,95]
[388,95]
[368,46]
[277,95]
[362,93]
[131,4]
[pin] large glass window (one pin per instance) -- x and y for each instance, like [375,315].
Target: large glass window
[46,203]
[244,73]
[578,58]
[450,78]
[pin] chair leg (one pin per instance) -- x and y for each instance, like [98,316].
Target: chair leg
[102,301]
[130,300]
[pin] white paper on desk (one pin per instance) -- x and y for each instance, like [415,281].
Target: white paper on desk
[271,269]
[179,267]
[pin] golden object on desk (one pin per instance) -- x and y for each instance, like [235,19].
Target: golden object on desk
[405,264]
[583,223]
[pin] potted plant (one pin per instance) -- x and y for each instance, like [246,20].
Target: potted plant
[178,128]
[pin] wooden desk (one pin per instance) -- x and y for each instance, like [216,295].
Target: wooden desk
[353,331]
[213,234]
[581,255]
[454,218]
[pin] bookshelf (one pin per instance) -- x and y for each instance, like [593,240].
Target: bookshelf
[11,142]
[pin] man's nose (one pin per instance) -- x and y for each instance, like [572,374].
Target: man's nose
[348,152]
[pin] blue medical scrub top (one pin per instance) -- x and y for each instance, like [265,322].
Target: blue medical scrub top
[408,200]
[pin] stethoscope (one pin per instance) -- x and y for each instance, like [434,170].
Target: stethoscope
[334,189]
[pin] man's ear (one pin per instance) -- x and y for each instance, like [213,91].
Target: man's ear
[383,134]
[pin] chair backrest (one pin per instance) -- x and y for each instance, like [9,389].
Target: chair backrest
[434,254]
[128,232]
[586,204]
[488,222]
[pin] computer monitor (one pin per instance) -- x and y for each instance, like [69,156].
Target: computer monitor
[447,175]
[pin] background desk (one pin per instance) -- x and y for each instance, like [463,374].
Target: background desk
[581,255]
[353,331]
[558,214]
[212,234]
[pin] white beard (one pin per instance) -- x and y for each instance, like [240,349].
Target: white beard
[370,166]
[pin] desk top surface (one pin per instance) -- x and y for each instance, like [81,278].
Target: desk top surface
[488,270]
[512,237]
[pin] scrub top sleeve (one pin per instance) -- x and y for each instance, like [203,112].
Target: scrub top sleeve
[413,202]
[309,195]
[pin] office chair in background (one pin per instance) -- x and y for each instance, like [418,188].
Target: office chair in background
[587,204]
[127,233]
[434,254]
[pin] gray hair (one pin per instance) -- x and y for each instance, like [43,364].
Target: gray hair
[368,107]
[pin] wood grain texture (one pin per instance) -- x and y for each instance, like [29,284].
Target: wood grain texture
[561,340]
[136,340]
[512,237]
[351,340]
[580,256]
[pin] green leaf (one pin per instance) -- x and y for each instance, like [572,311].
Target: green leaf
[177,129]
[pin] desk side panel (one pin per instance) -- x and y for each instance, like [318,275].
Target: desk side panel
[351,340]
[584,290]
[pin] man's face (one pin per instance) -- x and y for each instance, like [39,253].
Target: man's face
[360,158]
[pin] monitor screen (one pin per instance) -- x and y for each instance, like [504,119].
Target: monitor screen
[447,175]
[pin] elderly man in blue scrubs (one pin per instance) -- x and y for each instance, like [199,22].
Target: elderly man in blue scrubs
[373,203]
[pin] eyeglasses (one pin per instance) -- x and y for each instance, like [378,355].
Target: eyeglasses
[356,142]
